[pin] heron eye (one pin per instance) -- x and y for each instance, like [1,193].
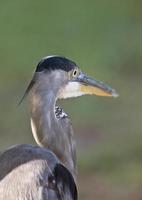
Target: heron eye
[75,73]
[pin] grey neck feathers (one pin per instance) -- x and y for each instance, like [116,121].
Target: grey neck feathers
[50,130]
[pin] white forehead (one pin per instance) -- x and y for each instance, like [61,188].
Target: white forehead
[46,57]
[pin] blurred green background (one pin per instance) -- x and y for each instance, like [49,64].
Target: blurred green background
[105,39]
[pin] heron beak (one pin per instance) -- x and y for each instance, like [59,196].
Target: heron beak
[83,84]
[90,85]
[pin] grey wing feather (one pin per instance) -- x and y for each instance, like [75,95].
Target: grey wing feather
[33,173]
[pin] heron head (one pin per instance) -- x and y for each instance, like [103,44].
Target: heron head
[66,79]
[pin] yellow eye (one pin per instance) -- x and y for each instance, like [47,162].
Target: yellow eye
[75,73]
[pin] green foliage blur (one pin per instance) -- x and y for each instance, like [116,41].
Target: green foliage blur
[105,39]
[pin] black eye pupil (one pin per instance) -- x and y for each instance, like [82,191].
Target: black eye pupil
[74,72]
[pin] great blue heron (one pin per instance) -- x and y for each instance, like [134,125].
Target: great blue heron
[56,78]
[28,172]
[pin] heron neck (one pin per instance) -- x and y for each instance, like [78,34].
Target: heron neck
[43,120]
[50,132]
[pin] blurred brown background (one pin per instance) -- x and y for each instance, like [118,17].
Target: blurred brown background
[103,37]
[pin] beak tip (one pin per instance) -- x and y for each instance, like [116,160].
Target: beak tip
[114,94]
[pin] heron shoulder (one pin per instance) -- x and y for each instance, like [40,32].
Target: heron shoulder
[37,172]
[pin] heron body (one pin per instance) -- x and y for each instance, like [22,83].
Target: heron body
[33,173]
